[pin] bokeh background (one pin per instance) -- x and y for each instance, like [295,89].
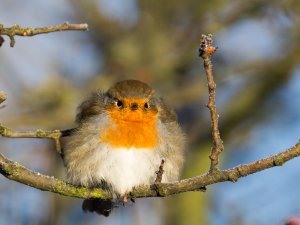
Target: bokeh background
[258,79]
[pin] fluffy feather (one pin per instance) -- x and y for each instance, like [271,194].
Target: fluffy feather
[121,146]
[90,162]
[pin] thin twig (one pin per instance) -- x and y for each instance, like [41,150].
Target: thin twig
[6,132]
[16,172]
[11,32]
[205,52]
[160,172]
[53,134]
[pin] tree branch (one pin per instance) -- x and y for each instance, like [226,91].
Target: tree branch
[16,172]
[6,132]
[55,135]
[11,32]
[19,173]
[205,51]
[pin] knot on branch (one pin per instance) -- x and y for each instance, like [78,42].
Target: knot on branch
[159,189]
[278,162]
[4,131]
[233,177]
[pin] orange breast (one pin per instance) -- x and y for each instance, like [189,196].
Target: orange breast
[131,128]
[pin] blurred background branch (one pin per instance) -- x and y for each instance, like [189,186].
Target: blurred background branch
[11,32]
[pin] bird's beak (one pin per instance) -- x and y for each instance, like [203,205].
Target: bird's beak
[134,106]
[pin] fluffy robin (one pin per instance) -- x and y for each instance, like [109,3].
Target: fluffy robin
[122,137]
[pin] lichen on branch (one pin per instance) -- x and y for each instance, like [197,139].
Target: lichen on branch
[19,173]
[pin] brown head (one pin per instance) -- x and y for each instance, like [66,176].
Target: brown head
[134,111]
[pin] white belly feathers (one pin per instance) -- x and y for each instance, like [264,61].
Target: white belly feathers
[121,168]
[126,168]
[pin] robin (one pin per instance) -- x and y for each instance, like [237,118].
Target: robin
[121,139]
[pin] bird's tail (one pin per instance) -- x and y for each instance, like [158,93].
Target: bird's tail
[100,206]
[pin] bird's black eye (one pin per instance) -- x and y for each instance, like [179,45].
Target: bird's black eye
[119,103]
[146,105]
